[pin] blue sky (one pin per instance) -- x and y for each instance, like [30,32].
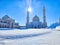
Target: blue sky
[16,9]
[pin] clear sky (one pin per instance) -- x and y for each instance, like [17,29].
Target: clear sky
[16,9]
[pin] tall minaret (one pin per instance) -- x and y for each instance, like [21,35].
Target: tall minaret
[27,23]
[59,20]
[44,17]
[28,5]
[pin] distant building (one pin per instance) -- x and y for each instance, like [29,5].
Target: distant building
[23,27]
[7,22]
[54,25]
[36,23]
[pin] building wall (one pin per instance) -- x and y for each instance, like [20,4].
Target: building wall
[35,24]
[8,23]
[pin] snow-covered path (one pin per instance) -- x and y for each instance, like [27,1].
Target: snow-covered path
[15,34]
[52,38]
[23,36]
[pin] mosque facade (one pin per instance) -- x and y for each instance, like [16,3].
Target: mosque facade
[36,23]
[7,22]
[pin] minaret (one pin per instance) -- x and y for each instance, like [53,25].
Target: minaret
[44,17]
[59,20]
[28,11]
[27,18]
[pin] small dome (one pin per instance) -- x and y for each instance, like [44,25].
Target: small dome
[6,17]
[36,18]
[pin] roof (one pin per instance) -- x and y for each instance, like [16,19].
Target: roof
[35,18]
[6,17]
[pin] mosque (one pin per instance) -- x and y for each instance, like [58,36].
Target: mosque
[7,22]
[36,23]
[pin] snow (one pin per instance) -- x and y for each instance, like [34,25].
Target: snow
[43,37]
[22,32]
[57,28]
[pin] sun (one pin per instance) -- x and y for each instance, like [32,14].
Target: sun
[29,9]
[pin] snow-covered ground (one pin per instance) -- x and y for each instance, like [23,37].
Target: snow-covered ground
[30,37]
[22,32]
[57,28]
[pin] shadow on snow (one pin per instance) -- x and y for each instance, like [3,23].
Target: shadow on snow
[22,36]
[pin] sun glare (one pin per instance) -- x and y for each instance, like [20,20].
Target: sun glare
[30,9]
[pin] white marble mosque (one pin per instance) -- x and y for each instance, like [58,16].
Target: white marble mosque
[36,23]
[7,22]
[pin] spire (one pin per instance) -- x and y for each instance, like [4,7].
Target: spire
[59,20]
[44,18]
[28,2]
[44,15]
[27,17]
